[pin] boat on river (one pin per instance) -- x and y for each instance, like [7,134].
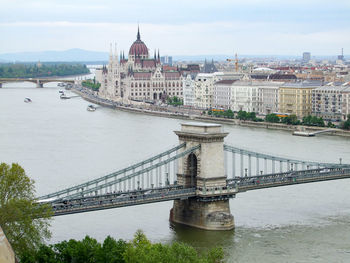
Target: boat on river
[27,100]
[91,107]
[64,97]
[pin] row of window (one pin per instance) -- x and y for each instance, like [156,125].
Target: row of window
[155,84]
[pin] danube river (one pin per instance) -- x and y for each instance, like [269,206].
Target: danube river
[59,144]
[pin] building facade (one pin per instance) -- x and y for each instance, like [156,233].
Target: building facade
[188,86]
[327,102]
[296,98]
[244,96]
[203,89]
[138,77]
[222,93]
[268,95]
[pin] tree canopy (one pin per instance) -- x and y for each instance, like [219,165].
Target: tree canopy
[25,223]
[140,249]
[20,70]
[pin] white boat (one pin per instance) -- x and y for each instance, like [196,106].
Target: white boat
[64,97]
[61,91]
[27,100]
[91,108]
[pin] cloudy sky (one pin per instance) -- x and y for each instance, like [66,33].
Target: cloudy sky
[178,27]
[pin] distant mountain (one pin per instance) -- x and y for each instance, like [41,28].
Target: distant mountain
[76,55]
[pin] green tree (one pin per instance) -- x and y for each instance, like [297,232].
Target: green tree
[242,115]
[272,118]
[25,223]
[346,124]
[229,114]
[251,116]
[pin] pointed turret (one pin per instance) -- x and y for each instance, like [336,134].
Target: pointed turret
[155,54]
[110,52]
[158,56]
[138,33]
[115,53]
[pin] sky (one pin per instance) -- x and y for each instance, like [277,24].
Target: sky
[178,27]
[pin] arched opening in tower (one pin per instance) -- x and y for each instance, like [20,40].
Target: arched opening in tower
[192,170]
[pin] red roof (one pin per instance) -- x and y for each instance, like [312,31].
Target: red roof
[172,75]
[139,48]
[142,75]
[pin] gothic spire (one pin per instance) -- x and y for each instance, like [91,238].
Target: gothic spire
[158,56]
[115,52]
[110,51]
[138,33]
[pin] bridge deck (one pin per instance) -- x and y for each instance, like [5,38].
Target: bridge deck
[244,184]
[115,200]
[87,203]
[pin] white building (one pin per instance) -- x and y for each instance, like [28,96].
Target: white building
[244,96]
[203,92]
[331,102]
[222,94]
[188,85]
[267,96]
[138,77]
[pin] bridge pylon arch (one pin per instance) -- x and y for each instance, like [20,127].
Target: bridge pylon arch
[204,170]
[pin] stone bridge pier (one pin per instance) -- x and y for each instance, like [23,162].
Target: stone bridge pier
[203,169]
[39,84]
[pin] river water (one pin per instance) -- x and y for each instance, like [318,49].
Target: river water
[59,144]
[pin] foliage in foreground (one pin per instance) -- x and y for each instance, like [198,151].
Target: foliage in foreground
[140,249]
[25,224]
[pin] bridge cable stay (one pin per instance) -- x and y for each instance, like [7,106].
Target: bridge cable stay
[265,163]
[70,190]
[144,172]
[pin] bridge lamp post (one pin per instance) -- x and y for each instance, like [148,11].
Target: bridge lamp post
[261,172]
[245,171]
[291,166]
[340,159]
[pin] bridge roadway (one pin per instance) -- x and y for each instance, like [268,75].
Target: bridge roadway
[175,192]
[38,81]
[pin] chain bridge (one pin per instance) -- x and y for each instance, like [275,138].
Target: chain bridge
[200,174]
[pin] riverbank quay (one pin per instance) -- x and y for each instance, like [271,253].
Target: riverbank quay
[87,95]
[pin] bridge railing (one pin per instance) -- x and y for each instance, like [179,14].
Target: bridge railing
[287,178]
[85,204]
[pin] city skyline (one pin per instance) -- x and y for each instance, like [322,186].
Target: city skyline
[195,28]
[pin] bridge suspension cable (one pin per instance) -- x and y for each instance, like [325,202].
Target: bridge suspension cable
[241,163]
[112,176]
[143,172]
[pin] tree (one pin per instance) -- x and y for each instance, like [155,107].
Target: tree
[242,115]
[25,223]
[272,118]
[346,124]
[229,114]
[140,249]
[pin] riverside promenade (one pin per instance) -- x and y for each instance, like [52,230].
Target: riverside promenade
[195,114]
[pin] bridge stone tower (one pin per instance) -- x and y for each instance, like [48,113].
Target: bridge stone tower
[203,169]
